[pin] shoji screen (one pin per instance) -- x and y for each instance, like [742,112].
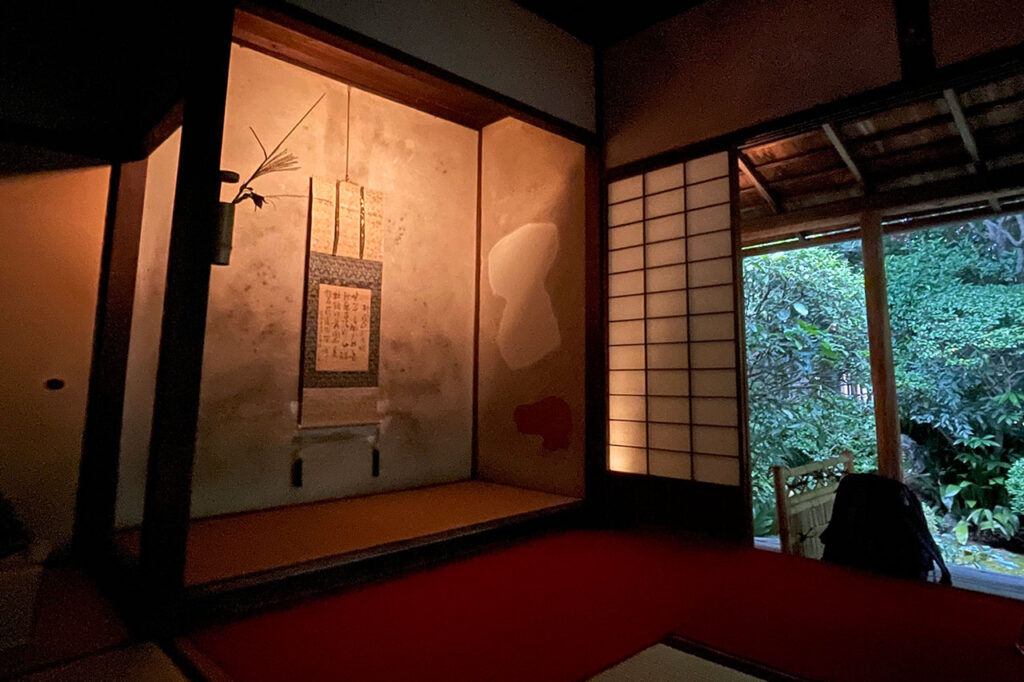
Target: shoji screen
[672,343]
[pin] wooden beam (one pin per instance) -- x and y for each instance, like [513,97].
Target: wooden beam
[967,136]
[962,126]
[883,376]
[355,65]
[101,441]
[759,182]
[167,505]
[846,213]
[844,153]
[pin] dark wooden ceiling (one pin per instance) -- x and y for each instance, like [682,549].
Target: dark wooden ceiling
[600,24]
[956,154]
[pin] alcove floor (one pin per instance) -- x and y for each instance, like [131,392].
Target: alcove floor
[225,547]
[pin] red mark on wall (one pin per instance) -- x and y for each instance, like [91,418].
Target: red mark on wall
[550,418]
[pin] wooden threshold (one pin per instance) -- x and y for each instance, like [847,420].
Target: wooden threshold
[247,595]
[730,660]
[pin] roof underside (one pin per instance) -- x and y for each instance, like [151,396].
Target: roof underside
[958,154]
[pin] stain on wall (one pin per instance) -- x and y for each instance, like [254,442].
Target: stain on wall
[516,268]
[550,418]
[532,182]
[51,240]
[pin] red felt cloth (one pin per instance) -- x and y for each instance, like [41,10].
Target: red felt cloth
[565,606]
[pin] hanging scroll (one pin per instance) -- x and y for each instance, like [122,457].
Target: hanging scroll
[341,339]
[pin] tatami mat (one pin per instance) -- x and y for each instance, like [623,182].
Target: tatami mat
[142,662]
[240,544]
[665,664]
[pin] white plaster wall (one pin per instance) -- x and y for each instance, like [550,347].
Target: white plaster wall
[147,317]
[51,236]
[532,336]
[729,64]
[494,43]
[426,168]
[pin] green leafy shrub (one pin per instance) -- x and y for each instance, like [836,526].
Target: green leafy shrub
[806,339]
[956,299]
[1015,486]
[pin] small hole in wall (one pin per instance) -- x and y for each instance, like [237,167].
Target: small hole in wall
[54,384]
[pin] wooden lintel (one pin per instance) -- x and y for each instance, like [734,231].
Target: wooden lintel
[759,182]
[839,214]
[844,153]
[883,376]
[357,66]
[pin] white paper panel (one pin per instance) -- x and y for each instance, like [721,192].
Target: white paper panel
[627,460]
[675,410]
[669,227]
[667,382]
[707,167]
[708,272]
[627,407]
[712,469]
[666,278]
[627,235]
[684,249]
[709,219]
[667,202]
[707,193]
[710,245]
[714,383]
[666,253]
[668,356]
[718,411]
[626,382]
[625,332]
[628,212]
[718,327]
[666,304]
[626,283]
[669,436]
[626,357]
[666,330]
[627,433]
[664,178]
[716,440]
[670,464]
[711,299]
[628,188]
[626,308]
[713,355]
[627,259]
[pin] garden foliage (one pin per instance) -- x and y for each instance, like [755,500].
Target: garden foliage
[956,298]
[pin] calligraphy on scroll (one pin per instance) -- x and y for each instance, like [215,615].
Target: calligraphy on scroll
[343,329]
[341,325]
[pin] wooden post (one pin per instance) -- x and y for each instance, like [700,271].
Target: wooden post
[179,371]
[883,378]
[101,442]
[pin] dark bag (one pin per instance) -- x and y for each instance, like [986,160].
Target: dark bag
[877,525]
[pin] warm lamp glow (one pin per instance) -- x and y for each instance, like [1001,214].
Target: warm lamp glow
[627,460]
